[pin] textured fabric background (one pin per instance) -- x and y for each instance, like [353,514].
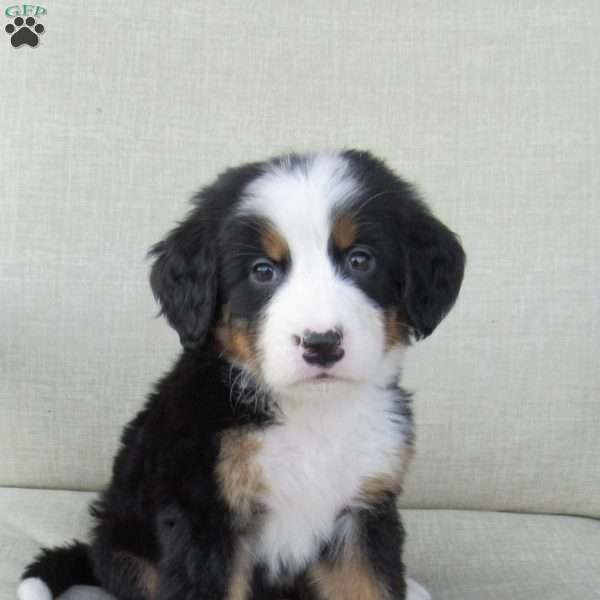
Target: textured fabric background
[126,108]
[457,555]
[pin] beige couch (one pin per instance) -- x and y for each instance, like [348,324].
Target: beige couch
[491,107]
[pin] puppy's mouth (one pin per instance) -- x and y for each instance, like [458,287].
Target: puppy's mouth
[322,378]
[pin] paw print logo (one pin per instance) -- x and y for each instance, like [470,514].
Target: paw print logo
[24,32]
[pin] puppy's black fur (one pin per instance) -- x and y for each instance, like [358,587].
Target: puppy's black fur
[163,529]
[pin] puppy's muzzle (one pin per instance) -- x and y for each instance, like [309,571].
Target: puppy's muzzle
[322,349]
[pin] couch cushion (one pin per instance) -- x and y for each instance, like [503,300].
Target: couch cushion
[458,555]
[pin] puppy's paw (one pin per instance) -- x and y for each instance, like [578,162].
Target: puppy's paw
[85,592]
[415,591]
[33,588]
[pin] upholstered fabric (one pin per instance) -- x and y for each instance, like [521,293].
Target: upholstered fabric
[126,108]
[457,555]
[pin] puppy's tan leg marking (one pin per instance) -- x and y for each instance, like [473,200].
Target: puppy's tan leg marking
[142,574]
[242,485]
[239,584]
[240,478]
[349,578]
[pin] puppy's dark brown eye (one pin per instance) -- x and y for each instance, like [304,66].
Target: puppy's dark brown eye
[360,261]
[264,272]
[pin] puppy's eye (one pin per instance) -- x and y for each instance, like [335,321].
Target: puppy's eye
[360,261]
[264,271]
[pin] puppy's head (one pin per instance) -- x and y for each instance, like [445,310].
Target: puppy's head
[308,269]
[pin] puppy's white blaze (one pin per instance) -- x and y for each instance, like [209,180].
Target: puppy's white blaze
[415,591]
[316,299]
[300,200]
[333,436]
[314,464]
[33,588]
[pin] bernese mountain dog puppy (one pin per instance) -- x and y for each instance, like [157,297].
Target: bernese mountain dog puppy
[266,464]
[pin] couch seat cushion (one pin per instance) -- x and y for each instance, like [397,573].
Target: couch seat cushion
[457,555]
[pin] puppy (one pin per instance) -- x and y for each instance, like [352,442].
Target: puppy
[267,462]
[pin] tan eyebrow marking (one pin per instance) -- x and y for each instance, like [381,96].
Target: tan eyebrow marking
[344,231]
[273,244]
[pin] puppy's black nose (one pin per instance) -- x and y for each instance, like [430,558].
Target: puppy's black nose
[322,349]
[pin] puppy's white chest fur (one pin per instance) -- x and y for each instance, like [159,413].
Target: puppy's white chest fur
[315,462]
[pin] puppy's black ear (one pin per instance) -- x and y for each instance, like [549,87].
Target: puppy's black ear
[184,277]
[185,274]
[436,263]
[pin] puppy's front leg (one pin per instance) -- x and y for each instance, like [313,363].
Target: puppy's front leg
[367,563]
[201,558]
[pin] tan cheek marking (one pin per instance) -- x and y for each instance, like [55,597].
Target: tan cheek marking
[344,231]
[273,244]
[241,345]
[396,329]
[347,579]
[239,584]
[240,478]
[236,340]
[375,488]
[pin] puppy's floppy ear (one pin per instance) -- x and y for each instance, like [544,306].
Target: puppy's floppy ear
[435,264]
[184,277]
[185,274]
